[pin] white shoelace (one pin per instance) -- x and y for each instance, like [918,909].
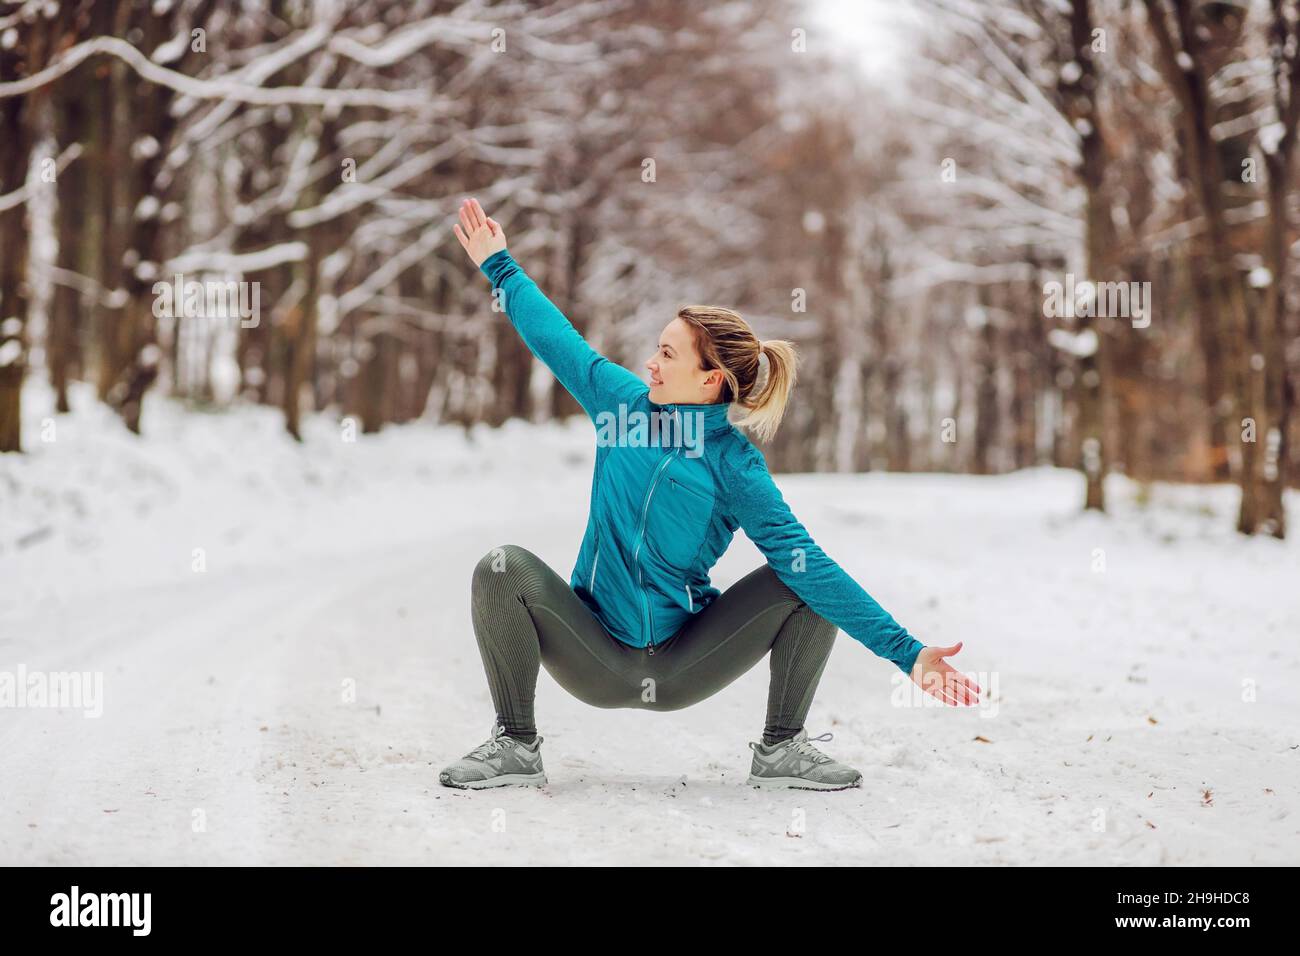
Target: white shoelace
[498,741]
[806,748]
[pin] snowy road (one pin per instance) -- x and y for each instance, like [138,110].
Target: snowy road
[1122,730]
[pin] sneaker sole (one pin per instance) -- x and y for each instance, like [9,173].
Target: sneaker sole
[799,783]
[502,780]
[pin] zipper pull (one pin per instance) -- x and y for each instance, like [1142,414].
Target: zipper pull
[651,648]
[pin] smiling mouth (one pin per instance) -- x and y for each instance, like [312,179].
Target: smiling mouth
[655,381]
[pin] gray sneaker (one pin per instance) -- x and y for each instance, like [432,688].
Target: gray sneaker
[797,763]
[500,761]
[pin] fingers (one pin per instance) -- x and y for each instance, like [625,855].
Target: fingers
[936,686]
[950,686]
[940,691]
[469,215]
[961,687]
[966,687]
[948,651]
[479,215]
[494,226]
[464,242]
[961,690]
[469,219]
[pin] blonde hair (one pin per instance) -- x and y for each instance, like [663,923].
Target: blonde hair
[726,342]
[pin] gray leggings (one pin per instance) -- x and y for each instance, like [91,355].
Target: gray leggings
[526,615]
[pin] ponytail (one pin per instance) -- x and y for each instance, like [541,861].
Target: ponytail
[767,404]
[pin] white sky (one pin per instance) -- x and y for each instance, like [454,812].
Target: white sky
[874,29]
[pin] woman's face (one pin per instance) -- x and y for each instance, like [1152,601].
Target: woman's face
[675,374]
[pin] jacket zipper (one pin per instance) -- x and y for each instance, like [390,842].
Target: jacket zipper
[591,585]
[690,602]
[645,512]
[640,539]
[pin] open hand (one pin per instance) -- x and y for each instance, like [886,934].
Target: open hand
[938,679]
[479,236]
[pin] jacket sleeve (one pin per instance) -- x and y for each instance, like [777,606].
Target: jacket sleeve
[823,585]
[597,383]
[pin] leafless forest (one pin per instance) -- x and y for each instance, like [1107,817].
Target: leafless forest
[905,232]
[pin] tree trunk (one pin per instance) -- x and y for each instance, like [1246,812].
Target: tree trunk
[13,262]
[1098,242]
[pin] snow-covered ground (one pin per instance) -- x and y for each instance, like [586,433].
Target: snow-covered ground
[235,590]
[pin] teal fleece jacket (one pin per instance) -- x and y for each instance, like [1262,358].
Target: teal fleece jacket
[670,487]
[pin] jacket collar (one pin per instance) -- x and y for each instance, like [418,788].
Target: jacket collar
[715,414]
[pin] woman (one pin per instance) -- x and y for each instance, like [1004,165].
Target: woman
[639,625]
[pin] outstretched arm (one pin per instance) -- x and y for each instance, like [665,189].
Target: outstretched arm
[827,588]
[597,383]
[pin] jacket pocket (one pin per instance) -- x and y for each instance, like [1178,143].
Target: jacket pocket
[682,487]
[679,522]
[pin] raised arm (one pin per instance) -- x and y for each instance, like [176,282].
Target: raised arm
[597,383]
[824,586]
